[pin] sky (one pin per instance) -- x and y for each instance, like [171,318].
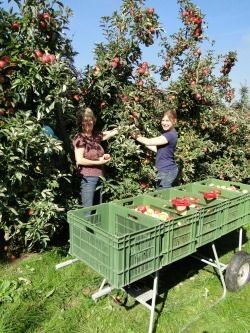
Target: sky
[228,25]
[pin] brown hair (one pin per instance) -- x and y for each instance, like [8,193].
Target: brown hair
[171,114]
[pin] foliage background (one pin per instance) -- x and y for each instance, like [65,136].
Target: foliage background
[41,87]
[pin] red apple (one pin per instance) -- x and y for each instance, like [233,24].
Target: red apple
[171,98]
[76,97]
[42,24]
[197,32]
[38,53]
[2,64]
[29,211]
[144,65]
[197,20]
[124,98]
[197,52]
[103,104]
[52,57]
[45,58]
[46,16]
[143,184]
[150,11]
[15,26]
[193,84]
[116,59]
[185,13]
[141,70]
[134,114]
[206,71]
[141,209]
[97,70]
[6,58]
[152,30]
[114,64]
[106,157]
[197,96]
[234,128]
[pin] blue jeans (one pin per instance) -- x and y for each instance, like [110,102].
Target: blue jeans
[165,179]
[90,195]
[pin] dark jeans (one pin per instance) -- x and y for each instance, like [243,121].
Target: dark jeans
[165,179]
[90,191]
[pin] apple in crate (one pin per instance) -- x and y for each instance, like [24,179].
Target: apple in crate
[164,216]
[209,196]
[149,211]
[181,205]
[193,201]
[142,209]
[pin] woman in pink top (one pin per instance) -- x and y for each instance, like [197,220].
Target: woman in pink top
[89,155]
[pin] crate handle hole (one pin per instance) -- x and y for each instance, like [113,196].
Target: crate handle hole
[133,217]
[236,186]
[128,203]
[91,231]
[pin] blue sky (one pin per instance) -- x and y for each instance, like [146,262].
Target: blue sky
[228,25]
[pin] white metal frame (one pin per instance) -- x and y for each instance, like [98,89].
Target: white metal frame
[142,296]
[217,264]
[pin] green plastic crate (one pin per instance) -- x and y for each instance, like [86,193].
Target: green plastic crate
[209,214]
[220,216]
[161,200]
[212,214]
[227,184]
[147,200]
[236,214]
[179,238]
[220,219]
[200,189]
[120,248]
[240,188]
[170,193]
[124,245]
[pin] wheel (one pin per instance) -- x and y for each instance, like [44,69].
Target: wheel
[238,271]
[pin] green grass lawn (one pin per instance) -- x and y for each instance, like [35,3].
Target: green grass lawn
[34,297]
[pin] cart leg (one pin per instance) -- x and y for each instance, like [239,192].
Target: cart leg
[66,263]
[152,308]
[220,270]
[240,239]
[102,284]
[102,291]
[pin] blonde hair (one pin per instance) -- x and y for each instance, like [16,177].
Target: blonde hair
[172,115]
[87,112]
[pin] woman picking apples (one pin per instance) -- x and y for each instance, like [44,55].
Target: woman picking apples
[164,146]
[89,155]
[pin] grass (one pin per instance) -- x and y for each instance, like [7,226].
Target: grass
[40,299]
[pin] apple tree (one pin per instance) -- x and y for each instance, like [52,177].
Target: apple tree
[127,91]
[39,94]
